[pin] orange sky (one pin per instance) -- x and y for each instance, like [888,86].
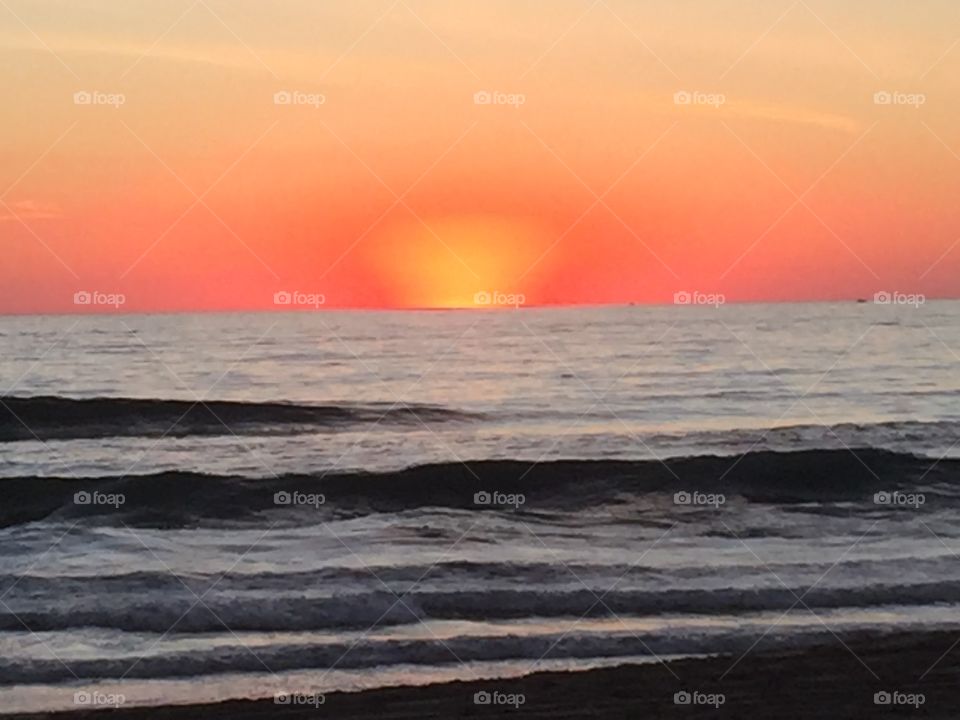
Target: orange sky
[387,182]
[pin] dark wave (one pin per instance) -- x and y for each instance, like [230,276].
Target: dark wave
[458,576]
[177,499]
[178,612]
[60,418]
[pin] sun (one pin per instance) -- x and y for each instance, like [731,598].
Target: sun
[455,261]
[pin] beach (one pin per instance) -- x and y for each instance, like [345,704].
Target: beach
[418,360]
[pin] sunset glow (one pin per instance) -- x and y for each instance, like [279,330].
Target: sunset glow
[207,156]
[445,263]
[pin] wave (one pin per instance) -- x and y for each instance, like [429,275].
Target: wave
[364,654]
[371,652]
[462,575]
[61,418]
[858,434]
[183,499]
[266,612]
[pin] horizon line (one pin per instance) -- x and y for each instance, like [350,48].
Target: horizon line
[466,308]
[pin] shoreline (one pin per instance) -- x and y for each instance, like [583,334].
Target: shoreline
[837,679]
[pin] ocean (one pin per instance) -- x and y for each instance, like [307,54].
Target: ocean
[202,507]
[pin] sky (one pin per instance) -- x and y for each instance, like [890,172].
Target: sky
[173,155]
